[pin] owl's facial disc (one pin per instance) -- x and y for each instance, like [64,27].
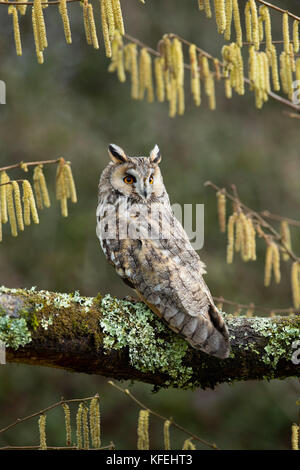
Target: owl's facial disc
[141,184]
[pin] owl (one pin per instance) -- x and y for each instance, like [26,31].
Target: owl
[148,247]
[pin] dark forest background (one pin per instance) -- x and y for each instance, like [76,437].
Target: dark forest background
[72,107]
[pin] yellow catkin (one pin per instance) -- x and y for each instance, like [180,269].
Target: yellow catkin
[11,210]
[85,425]
[230,237]
[86,23]
[39,53]
[217,69]
[167,435]
[288,74]
[79,426]
[239,233]
[42,431]
[239,65]
[285,32]
[195,76]
[145,76]
[228,15]
[268,265]
[95,422]
[159,78]
[167,51]
[283,73]
[37,188]
[246,248]
[286,238]
[12,10]
[0,230]
[173,97]
[221,200]
[252,240]
[143,430]
[266,67]
[178,71]
[188,445]
[248,22]
[44,189]
[228,89]
[201,5]
[207,9]
[264,11]
[29,204]
[69,182]
[18,205]
[274,67]
[295,436]
[134,70]
[254,23]
[110,18]
[67,414]
[296,36]
[220,15]
[63,10]
[40,24]
[92,26]
[261,28]
[276,262]
[4,178]
[118,17]
[105,30]
[237,22]
[295,282]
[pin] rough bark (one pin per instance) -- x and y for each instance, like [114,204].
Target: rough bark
[124,340]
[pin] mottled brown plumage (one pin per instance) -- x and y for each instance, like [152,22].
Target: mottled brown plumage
[151,251]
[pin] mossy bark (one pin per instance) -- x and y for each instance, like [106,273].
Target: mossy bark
[124,340]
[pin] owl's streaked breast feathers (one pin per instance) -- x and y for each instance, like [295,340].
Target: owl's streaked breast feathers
[163,268]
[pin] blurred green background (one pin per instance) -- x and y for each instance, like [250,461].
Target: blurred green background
[72,107]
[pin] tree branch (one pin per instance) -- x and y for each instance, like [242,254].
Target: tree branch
[123,339]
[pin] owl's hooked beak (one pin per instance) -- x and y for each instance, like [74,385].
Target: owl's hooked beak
[143,189]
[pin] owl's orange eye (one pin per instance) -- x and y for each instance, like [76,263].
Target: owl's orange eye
[129,179]
[151,179]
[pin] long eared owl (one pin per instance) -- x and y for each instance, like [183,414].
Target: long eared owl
[150,250]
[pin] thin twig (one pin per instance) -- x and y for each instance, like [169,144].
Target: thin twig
[19,165]
[281,10]
[269,215]
[212,445]
[256,307]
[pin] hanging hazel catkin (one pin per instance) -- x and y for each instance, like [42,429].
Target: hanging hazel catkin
[228,15]
[159,78]
[12,10]
[221,198]
[63,10]
[285,238]
[195,76]
[295,282]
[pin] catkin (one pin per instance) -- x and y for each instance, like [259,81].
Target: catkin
[12,10]
[11,210]
[85,425]
[220,15]
[264,11]
[221,198]
[178,70]
[105,30]
[22,8]
[159,78]
[67,423]
[40,24]
[134,71]
[167,434]
[29,204]
[254,24]
[295,282]
[285,238]
[118,17]
[268,265]
[95,422]
[276,262]
[145,76]
[296,36]
[63,10]
[42,431]
[201,4]
[207,9]
[274,67]
[195,76]
[39,53]
[110,18]
[228,15]
[285,32]
[237,22]
[92,26]
[230,237]
[295,436]
[248,22]
[143,430]
[18,205]
[79,426]
[86,22]
[4,178]
[40,188]
[188,445]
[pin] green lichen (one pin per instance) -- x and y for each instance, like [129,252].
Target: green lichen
[14,332]
[134,326]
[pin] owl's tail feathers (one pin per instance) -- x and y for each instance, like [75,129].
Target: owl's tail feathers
[208,333]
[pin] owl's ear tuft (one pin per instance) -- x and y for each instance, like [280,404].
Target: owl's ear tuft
[155,155]
[117,154]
